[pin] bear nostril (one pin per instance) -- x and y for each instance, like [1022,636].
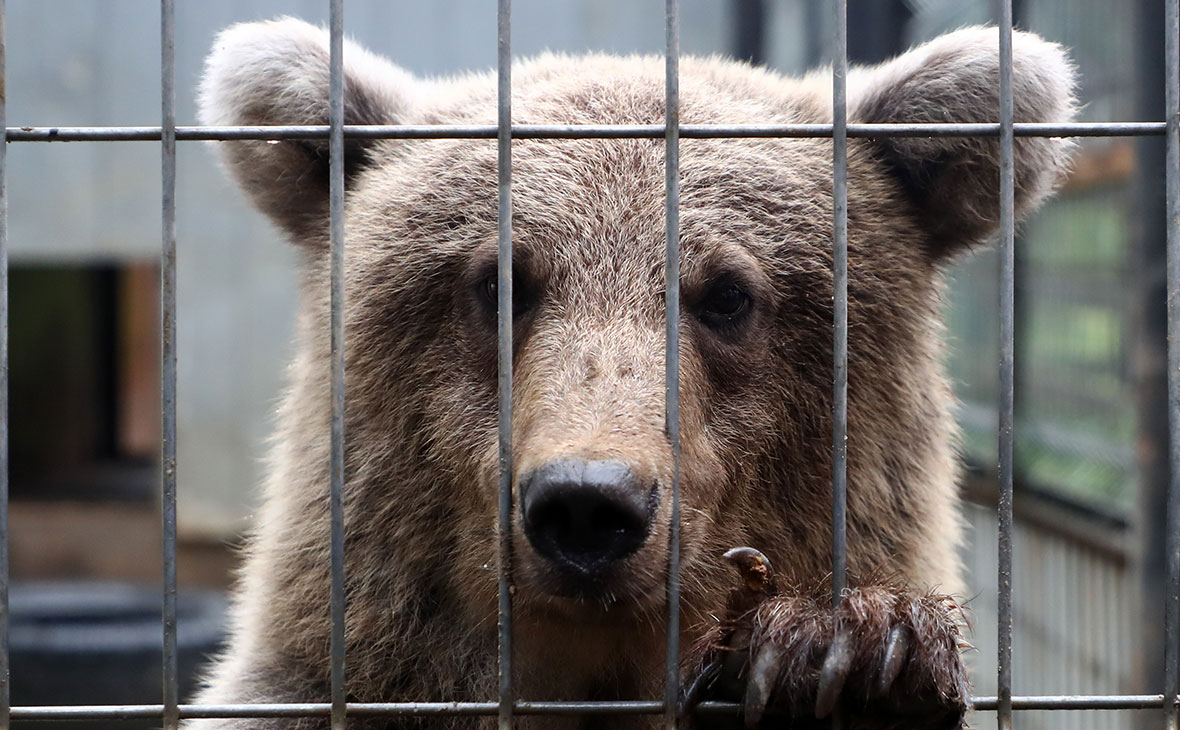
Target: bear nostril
[551,517]
[585,515]
[608,520]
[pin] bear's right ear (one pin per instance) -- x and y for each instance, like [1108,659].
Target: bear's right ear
[276,73]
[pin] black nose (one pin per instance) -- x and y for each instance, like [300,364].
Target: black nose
[584,515]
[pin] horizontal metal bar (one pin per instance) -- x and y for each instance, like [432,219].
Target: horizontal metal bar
[324,709]
[385,709]
[581,131]
[1075,702]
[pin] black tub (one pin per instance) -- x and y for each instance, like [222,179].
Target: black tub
[98,643]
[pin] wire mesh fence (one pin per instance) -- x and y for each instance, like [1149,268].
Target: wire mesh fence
[170,711]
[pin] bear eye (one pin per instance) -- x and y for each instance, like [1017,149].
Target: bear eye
[488,291]
[725,305]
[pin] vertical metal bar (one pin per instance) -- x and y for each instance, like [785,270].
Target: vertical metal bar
[336,313]
[672,341]
[171,683]
[5,704]
[504,345]
[839,310]
[1007,373]
[840,299]
[1172,187]
[1150,319]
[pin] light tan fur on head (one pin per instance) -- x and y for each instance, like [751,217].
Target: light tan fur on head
[588,253]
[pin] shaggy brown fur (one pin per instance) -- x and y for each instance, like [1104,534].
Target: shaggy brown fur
[588,250]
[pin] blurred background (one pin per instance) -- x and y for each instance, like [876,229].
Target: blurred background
[1091,458]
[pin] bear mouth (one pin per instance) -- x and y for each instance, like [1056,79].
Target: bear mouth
[631,585]
[584,605]
[601,588]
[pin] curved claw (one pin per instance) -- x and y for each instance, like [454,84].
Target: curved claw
[754,568]
[835,671]
[764,671]
[897,649]
[691,695]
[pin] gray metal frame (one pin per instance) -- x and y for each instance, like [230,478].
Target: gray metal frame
[1172,548]
[170,711]
[5,703]
[1007,373]
[171,677]
[840,301]
[336,355]
[672,343]
[587,131]
[504,349]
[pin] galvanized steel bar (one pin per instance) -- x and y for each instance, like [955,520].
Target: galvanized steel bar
[671,131]
[1073,702]
[840,300]
[1006,375]
[486,709]
[5,698]
[1172,190]
[504,314]
[171,681]
[585,131]
[336,348]
[672,343]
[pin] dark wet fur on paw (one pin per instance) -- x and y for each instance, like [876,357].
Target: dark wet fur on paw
[888,658]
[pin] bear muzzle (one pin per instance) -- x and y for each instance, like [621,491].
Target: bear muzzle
[584,516]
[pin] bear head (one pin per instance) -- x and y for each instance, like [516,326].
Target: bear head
[592,461]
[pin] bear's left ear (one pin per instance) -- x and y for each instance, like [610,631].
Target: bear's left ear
[954,181]
[276,73]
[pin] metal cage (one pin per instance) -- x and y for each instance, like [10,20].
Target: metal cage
[506,706]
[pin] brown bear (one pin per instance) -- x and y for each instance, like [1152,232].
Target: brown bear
[592,461]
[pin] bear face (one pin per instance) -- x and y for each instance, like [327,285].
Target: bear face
[592,463]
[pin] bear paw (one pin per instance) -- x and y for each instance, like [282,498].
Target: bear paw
[886,657]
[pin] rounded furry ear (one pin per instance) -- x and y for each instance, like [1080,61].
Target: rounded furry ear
[276,73]
[954,181]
